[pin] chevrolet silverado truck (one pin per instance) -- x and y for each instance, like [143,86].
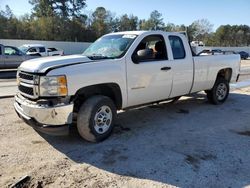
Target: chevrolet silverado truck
[119,71]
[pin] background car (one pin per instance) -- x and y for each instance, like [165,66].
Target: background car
[55,51]
[33,49]
[11,57]
[243,55]
[211,52]
[41,50]
[216,52]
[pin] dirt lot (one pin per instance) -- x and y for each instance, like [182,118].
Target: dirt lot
[189,144]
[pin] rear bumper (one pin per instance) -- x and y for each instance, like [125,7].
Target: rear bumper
[54,120]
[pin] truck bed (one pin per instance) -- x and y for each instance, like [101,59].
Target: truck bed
[206,69]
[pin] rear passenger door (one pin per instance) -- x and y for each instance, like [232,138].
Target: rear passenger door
[182,66]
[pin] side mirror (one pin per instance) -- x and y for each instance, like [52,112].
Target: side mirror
[142,55]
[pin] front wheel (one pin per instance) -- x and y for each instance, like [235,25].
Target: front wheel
[95,119]
[219,93]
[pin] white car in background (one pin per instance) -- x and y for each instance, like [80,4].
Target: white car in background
[41,50]
[55,51]
[197,43]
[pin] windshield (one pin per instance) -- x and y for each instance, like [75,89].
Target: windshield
[109,47]
[23,48]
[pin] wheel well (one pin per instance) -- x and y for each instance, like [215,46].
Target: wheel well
[110,90]
[225,73]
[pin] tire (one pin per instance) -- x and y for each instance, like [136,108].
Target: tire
[219,93]
[95,119]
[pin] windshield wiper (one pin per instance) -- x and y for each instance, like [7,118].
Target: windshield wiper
[99,56]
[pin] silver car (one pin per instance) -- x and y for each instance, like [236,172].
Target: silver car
[11,57]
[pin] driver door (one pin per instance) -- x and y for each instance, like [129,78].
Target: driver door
[12,57]
[149,79]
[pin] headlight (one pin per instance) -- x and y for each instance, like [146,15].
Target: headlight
[53,86]
[17,78]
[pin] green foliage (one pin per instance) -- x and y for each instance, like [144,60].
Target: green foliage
[63,20]
[155,22]
[236,35]
[63,8]
[42,8]
[200,28]
[128,23]
[100,21]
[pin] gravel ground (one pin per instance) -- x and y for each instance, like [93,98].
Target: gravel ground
[187,144]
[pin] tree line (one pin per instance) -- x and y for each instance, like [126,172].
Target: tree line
[64,20]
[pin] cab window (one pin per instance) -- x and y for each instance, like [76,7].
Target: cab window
[177,47]
[32,50]
[10,51]
[41,49]
[51,49]
[151,48]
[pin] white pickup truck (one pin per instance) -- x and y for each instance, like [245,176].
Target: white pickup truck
[118,71]
[40,50]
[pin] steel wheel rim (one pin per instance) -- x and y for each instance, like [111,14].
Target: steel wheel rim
[103,119]
[221,91]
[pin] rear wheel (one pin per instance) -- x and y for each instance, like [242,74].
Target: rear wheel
[219,93]
[95,119]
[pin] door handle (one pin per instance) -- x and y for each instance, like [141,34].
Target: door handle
[165,68]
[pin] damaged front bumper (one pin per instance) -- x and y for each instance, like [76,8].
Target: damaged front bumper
[50,119]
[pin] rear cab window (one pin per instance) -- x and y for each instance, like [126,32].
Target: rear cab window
[177,47]
[52,49]
[41,49]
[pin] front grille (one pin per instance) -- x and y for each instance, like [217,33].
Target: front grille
[28,84]
[26,90]
[25,76]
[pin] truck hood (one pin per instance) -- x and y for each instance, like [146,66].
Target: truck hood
[41,65]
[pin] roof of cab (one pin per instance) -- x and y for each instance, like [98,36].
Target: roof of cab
[33,45]
[143,32]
